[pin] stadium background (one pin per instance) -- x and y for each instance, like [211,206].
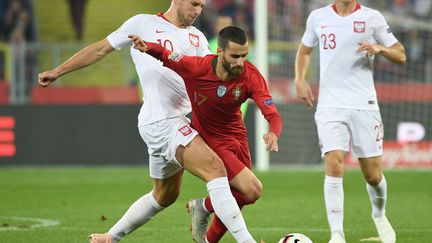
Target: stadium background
[83,106]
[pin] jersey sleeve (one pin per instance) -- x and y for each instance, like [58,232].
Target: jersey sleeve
[261,96]
[119,38]
[309,37]
[383,33]
[185,66]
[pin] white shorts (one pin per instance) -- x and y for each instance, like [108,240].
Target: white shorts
[359,131]
[162,139]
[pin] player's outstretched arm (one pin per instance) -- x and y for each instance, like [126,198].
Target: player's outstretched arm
[302,61]
[81,59]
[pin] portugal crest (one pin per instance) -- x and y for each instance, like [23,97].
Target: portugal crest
[236,93]
[221,90]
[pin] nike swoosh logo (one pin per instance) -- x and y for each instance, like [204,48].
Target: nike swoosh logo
[235,216]
[160,31]
[324,26]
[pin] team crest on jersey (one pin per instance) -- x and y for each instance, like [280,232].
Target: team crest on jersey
[236,93]
[194,39]
[221,90]
[185,130]
[359,26]
[175,56]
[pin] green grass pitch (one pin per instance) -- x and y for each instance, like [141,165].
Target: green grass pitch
[90,199]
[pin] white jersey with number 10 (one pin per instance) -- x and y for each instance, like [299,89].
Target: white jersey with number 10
[164,93]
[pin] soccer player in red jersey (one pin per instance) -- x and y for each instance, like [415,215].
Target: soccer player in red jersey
[217,85]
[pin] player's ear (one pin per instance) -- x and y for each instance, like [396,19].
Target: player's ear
[219,51]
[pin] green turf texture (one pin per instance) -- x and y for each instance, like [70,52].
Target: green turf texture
[91,199]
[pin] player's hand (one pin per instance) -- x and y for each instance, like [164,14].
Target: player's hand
[46,78]
[139,44]
[271,141]
[370,49]
[304,93]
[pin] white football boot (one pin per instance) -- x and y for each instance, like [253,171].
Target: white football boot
[385,230]
[200,218]
[337,237]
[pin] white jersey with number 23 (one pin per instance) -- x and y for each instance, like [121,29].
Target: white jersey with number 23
[346,76]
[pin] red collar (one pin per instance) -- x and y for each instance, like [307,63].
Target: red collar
[161,14]
[357,7]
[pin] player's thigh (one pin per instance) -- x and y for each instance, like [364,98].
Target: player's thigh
[333,130]
[367,133]
[162,139]
[200,160]
[233,162]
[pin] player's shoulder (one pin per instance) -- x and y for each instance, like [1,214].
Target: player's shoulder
[144,17]
[321,11]
[251,69]
[372,15]
[370,11]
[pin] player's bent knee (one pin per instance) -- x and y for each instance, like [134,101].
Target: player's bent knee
[254,192]
[166,199]
[373,179]
[167,196]
[334,164]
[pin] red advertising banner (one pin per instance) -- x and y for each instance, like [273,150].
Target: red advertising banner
[408,155]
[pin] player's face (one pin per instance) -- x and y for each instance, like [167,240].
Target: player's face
[234,57]
[189,10]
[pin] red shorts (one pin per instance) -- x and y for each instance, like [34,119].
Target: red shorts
[235,157]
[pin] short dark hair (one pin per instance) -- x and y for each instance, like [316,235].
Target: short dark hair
[231,34]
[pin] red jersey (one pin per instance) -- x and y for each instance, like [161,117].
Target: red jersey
[215,103]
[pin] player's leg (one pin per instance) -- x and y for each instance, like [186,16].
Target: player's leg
[164,193]
[246,189]
[245,186]
[204,163]
[165,172]
[334,139]
[369,151]
[377,190]
[334,194]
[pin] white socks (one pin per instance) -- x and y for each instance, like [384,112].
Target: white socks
[378,197]
[139,213]
[224,204]
[226,208]
[334,201]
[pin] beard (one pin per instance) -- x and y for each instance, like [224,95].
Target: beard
[234,71]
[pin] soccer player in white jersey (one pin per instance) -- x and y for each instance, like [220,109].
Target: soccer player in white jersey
[172,144]
[349,35]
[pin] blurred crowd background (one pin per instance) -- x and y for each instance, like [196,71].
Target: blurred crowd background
[39,35]
[23,21]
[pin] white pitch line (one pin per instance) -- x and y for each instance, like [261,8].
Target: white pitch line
[39,223]
[371,239]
